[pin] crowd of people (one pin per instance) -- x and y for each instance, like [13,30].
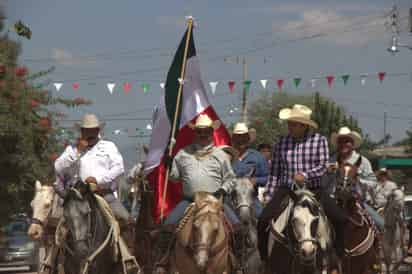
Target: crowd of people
[301,157]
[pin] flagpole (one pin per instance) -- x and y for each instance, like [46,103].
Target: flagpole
[179,95]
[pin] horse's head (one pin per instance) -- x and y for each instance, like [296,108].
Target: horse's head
[243,198]
[305,220]
[207,227]
[77,214]
[42,206]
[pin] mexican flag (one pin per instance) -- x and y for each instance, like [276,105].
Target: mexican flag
[193,102]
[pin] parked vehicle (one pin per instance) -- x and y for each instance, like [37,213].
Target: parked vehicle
[16,248]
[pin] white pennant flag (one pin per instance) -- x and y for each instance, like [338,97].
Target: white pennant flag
[363,79]
[58,86]
[313,83]
[213,86]
[162,85]
[111,86]
[264,83]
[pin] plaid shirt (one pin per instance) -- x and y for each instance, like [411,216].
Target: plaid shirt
[307,156]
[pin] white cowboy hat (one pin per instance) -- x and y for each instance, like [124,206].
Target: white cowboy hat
[90,121]
[298,113]
[231,150]
[242,128]
[345,131]
[203,121]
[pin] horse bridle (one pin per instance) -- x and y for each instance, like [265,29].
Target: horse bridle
[43,223]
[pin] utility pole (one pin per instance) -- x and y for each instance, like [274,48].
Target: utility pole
[384,133]
[245,76]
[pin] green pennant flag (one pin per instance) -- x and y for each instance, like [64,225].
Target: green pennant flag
[145,87]
[297,81]
[345,78]
[246,84]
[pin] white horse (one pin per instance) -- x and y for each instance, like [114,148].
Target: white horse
[47,210]
[393,237]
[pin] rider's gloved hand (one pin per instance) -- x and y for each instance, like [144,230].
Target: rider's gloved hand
[219,193]
[168,161]
[92,182]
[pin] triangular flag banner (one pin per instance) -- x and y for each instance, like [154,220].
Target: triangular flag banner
[111,86]
[127,86]
[363,79]
[381,76]
[162,85]
[263,83]
[145,87]
[231,85]
[58,86]
[246,84]
[76,86]
[280,84]
[313,83]
[345,78]
[213,86]
[297,81]
[330,79]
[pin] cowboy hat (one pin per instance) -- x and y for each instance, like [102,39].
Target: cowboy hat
[242,128]
[383,171]
[345,131]
[230,150]
[298,113]
[203,121]
[90,121]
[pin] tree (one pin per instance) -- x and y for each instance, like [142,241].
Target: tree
[29,132]
[327,113]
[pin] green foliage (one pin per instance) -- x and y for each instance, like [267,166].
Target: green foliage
[327,113]
[29,132]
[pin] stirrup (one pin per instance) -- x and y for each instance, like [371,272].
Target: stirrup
[130,265]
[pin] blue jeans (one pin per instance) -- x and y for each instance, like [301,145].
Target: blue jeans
[258,208]
[379,221]
[177,213]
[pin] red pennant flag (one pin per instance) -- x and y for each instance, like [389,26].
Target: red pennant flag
[280,84]
[330,79]
[76,86]
[231,86]
[126,87]
[381,76]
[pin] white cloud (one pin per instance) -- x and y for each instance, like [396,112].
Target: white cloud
[64,57]
[334,27]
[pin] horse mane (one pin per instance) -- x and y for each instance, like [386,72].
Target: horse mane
[306,198]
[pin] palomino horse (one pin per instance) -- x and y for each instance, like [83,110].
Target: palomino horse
[393,236]
[243,198]
[305,244]
[89,246]
[202,239]
[360,244]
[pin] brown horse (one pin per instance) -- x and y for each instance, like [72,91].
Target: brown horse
[361,245]
[202,239]
[145,225]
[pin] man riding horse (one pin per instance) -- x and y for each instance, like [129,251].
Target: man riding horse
[249,161]
[346,142]
[201,167]
[98,164]
[384,188]
[299,157]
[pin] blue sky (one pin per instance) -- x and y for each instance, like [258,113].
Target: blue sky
[98,41]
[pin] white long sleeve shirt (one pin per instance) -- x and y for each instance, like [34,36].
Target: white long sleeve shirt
[103,161]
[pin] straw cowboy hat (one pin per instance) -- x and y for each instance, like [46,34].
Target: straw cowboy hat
[345,131]
[203,121]
[230,150]
[298,113]
[383,171]
[242,128]
[90,121]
